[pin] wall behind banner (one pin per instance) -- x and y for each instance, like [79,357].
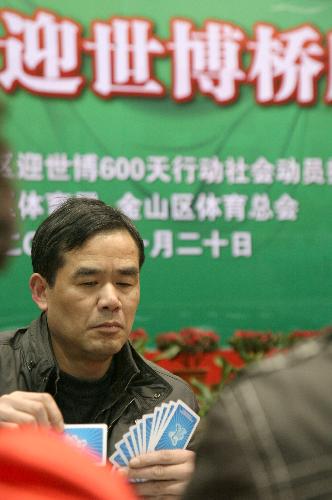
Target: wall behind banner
[233,199]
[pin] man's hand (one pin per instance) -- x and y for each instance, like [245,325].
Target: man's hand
[166,473]
[34,408]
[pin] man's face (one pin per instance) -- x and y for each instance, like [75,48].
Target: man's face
[92,305]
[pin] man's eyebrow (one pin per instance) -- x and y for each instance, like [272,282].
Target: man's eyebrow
[128,271]
[82,272]
[85,271]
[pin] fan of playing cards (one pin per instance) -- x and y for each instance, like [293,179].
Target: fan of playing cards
[170,426]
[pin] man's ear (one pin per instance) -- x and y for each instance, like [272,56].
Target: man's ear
[38,287]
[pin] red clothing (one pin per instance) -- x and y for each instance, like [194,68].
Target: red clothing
[37,464]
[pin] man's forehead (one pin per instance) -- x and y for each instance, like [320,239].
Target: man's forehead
[119,237]
[101,253]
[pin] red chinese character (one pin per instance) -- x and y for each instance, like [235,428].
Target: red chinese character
[40,54]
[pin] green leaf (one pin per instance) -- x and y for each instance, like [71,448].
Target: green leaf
[205,391]
[139,345]
[169,353]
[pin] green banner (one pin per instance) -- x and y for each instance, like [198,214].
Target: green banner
[209,125]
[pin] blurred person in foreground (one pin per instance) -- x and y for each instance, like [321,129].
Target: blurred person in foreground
[36,464]
[269,436]
[74,363]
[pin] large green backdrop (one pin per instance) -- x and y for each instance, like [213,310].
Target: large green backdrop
[228,175]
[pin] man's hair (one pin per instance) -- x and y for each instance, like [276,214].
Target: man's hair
[70,226]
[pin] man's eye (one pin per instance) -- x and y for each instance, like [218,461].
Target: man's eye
[124,284]
[89,283]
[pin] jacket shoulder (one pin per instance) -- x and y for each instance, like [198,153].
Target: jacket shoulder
[9,337]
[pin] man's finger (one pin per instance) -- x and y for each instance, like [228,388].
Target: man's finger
[25,407]
[160,489]
[179,472]
[162,457]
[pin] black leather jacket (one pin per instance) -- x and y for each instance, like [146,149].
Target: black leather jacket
[269,437]
[27,364]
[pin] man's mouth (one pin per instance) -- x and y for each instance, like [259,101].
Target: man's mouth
[109,325]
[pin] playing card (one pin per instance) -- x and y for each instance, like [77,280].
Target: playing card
[122,447]
[166,412]
[170,426]
[117,459]
[141,435]
[129,443]
[178,429]
[89,437]
[134,439]
[147,426]
[154,426]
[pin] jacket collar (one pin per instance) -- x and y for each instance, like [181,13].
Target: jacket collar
[130,368]
[38,359]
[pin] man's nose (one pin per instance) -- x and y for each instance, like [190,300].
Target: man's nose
[108,298]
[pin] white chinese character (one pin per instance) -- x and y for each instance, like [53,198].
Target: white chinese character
[181,206]
[189,236]
[313,172]
[29,205]
[234,206]
[207,206]
[162,244]
[130,206]
[211,170]
[122,57]
[209,58]
[158,167]
[262,171]
[30,166]
[236,171]
[329,171]
[156,208]
[260,208]
[6,164]
[288,171]
[55,199]
[85,167]
[286,208]
[41,54]
[286,64]
[215,243]
[184,164]
[57,165]
[241,244]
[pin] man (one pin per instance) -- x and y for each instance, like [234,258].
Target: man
[74,364]
[269,436]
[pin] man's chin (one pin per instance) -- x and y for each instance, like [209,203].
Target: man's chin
[104,351]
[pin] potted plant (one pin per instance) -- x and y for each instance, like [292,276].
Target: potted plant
[252,345]
[188,347]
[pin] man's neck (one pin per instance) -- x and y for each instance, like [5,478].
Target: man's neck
[83,369]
